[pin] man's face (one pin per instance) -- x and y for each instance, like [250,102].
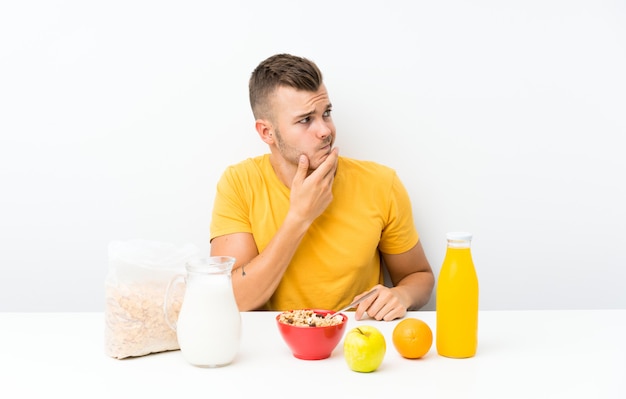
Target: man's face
[303,125]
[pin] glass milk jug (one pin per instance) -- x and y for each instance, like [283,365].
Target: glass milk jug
[209,323]
[457,300]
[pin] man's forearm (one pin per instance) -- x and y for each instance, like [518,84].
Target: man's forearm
[255,282]
[417,289]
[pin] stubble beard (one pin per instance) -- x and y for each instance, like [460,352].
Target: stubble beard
[292,154]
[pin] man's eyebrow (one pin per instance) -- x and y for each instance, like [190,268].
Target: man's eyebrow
[309,113]
[305,115]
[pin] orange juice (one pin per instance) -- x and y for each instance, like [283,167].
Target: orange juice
[457,300]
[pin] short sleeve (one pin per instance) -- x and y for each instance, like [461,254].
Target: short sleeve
[399,234]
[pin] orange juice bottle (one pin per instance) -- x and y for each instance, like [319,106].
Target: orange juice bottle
[457,300]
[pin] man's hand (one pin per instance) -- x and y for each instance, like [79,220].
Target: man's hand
[385,305]
[311,195]
[413,282]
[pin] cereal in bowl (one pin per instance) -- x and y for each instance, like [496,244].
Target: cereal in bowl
[308,318]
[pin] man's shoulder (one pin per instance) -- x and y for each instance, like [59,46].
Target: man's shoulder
[365,167]
[249,164]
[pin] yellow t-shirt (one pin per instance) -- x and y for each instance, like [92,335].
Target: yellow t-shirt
[338,257]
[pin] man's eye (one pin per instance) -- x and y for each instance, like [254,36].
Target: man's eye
[327,112]
[305,120]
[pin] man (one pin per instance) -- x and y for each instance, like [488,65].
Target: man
[308,228]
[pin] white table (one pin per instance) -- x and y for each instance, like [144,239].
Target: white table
[521,354]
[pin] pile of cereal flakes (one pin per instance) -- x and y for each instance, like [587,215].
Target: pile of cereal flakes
[308,318]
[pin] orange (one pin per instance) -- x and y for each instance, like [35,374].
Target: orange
[412,338]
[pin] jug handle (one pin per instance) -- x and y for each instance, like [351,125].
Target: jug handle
[168,290]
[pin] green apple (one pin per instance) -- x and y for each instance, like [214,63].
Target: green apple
[364,348]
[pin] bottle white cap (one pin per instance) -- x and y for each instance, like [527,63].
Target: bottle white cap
[459,236]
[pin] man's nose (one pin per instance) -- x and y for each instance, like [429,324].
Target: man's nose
[323,129]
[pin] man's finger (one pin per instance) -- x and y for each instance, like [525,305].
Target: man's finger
[303,169]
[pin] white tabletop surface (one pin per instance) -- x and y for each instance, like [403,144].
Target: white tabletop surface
[521,354]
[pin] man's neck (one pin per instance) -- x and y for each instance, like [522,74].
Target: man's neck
[284,170]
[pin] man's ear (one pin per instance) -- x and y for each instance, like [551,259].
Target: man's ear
[265,130]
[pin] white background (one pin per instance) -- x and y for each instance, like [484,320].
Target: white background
[503,118]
